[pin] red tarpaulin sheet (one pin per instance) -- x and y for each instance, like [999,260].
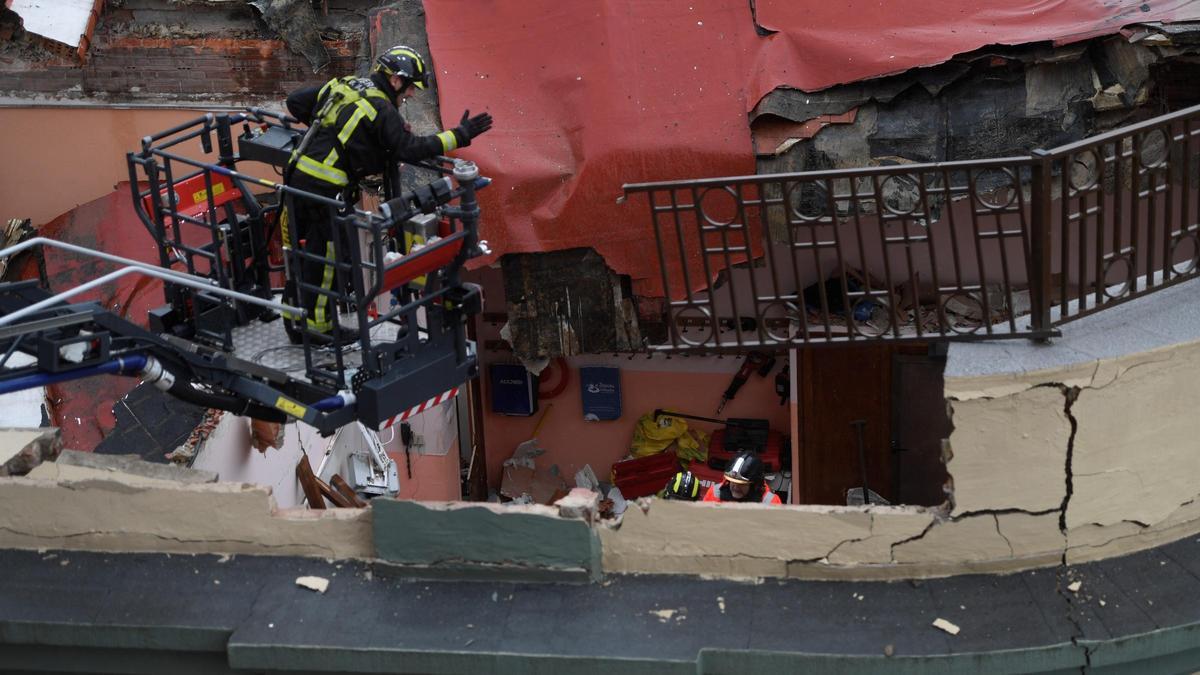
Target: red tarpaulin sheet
[821,44]
[590,95]
[587,96]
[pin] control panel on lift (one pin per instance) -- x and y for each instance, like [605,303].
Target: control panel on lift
[232,333]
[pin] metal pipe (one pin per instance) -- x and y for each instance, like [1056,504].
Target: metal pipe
[859,425]
[153,272]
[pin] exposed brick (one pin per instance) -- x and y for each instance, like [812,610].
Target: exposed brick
[161,86]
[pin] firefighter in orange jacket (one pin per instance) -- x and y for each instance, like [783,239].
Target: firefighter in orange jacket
[743,483]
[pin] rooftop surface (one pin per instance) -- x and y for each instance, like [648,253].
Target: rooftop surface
[247,613]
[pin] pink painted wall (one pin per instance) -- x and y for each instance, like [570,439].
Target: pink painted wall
[60,158]
[434,478]
[686,384]
[570,442]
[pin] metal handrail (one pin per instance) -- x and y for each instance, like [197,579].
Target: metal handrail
[131,266]
[890,252]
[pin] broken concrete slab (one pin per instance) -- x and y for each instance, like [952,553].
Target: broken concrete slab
[1010,452]
[21,450]
[581,504]
[74,507]
[134,464]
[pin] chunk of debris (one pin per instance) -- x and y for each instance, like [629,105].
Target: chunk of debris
[721,604]
[135,465]
[318,584]
[664,614]
[297,23]
[946,626]
[1074,586]
[21,450]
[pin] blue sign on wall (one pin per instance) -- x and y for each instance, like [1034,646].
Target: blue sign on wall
[601,389]
[513,391]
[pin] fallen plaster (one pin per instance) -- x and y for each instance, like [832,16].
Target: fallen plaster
[74,507]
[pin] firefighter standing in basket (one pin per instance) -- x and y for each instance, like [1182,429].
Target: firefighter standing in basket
[355,130]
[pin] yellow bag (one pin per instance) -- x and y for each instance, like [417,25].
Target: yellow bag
[652,436]
[692,446]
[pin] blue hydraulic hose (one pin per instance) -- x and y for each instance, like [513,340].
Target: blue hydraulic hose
[331,403]
[123,365]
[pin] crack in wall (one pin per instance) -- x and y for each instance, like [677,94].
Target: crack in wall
[1070,395]
[296,549]
[892,550]
[1012,553]
[1001,512]
[1121,372]
[870,533]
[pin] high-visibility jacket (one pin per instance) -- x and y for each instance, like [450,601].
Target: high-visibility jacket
[361,131]
[714,494]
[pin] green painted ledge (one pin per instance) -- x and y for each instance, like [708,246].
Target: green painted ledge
[476,538]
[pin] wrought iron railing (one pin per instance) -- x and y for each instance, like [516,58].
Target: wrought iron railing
[981,249]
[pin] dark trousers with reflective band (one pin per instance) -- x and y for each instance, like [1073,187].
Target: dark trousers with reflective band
[313,223]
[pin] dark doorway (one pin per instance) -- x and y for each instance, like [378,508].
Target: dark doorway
[894,394]
[919,424]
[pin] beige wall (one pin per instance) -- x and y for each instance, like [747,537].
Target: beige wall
[1133,459]
[70,507]
[64,157]
[1133,468]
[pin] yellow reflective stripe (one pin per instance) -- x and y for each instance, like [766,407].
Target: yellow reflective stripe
[320,322]
[377,93]
[449,141]
[352,123]
[366,108]
[332,158]
[283,228]
[329,174]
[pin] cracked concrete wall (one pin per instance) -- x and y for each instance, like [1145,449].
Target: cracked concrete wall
[1063,465]
[1136,468]
[1110,448]
[72,507]
[986,449]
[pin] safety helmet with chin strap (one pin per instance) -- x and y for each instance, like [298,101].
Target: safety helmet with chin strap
[683,485]
[405,62]
[745,469]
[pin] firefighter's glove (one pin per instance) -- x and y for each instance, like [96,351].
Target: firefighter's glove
[470,127]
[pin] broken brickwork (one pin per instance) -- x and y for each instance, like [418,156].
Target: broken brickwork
[155,50]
